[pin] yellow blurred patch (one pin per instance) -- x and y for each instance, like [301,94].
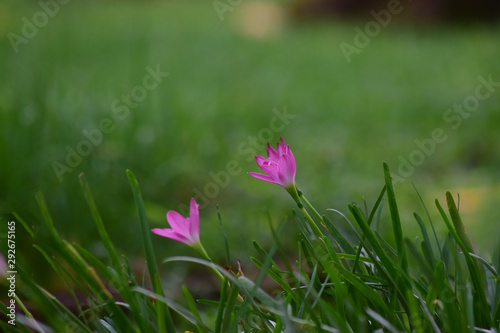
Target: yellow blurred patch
[470,198]
[259,19]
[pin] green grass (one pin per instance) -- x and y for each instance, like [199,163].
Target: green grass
[222,89]
[323,287]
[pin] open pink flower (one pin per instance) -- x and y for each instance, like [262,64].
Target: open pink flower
[183,229]
[280,166]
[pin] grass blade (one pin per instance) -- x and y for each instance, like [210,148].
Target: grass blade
[47,218]
[99,223]
[382,321]
[370,236]
[396,221]
[428,216]
[229,307]
[226,244]
[30,231]
[369,221]
[343,243]
[427,248]
[222,302]
[457,222]
[165,323]
[194,310]
[481,308]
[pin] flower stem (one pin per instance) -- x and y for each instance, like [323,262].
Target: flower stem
[199,247]
[301,195]
[201,250]
[312,223]
[295,194]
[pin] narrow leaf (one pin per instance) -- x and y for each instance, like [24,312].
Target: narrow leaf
[165,323]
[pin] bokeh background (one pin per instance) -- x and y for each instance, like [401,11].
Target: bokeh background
[232,68]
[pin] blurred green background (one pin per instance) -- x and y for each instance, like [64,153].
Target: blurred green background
[225,79]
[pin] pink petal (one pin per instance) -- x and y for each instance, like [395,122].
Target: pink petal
[272,153]
[282,147]
[261,160]
[286,169]
[178,222]
[291,159]
[172,234]
[194,217]
[268,166]
[263,177]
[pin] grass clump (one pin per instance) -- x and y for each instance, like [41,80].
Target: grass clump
[332,284]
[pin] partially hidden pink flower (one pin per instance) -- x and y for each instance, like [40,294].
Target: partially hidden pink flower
[279,167]
[3,266]
[183,229]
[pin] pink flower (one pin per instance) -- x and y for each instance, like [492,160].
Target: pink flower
[280,166]
[3,266]
[183,229]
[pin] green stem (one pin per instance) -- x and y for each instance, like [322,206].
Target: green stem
[165,322]
[313,224]
[297,196]
[201,250]
[301,195]
[28,314]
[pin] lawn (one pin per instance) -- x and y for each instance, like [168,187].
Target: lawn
[195,130]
